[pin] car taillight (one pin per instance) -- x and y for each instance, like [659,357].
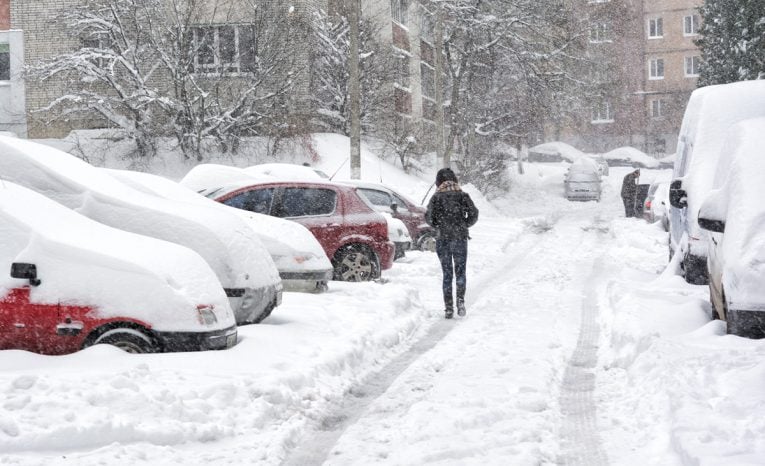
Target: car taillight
[647,204]
[206,315]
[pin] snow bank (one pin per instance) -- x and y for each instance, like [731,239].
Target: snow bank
[121,274]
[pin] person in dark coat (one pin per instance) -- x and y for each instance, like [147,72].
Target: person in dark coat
[451,212]
[629,192]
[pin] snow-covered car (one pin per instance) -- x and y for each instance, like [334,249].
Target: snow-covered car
[299,258]
[630,157]
[711,112]
[656,204]
[75,282]
[353,235]
[385,200]
[602,164]
[733,216]
[398,233]
[225,241]
[582,181]
[555,151]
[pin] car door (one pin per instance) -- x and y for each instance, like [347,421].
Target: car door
[28,326]
[316,208]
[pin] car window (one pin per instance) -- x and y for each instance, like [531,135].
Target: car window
[401,203]
[305,202]
[257,200]
[376,198]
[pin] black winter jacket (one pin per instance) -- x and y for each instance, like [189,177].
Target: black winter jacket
[451,213]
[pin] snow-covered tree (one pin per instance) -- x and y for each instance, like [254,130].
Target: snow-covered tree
[199,70]
[732,41]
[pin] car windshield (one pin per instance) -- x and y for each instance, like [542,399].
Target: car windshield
[583,178]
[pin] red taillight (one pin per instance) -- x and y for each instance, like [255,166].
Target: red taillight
[647,204]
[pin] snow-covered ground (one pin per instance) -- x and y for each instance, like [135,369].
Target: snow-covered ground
[576,349]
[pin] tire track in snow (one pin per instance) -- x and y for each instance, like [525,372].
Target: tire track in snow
[316,449]
[580,441]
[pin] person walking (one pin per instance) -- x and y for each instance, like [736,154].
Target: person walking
[451,212]
[629,192]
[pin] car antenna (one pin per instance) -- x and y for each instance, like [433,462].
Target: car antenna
[338,169]
[426,194]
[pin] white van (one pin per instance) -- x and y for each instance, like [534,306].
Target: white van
[225,241]
[711,112]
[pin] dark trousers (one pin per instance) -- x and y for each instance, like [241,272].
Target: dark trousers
[453,257]
[629,206]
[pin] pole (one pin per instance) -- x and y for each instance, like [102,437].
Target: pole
[438,41]
[355,90]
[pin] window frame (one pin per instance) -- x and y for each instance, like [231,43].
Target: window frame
[693,60]
[598,116]
[654,68]
[239,63]
[600,33]
[658,27]
[399,11]
[657,108]
[695,23]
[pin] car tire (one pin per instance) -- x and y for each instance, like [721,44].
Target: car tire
[355,264]
[128,340]
[427,242]
[694,270]
[715,314]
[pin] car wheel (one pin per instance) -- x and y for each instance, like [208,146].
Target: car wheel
[694,270]
[715,314]
[128,340]
[427,242]
[355,264]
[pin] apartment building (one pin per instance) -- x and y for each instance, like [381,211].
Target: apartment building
[12,90]
[645,50]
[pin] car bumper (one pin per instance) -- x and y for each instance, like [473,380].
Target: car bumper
[197,341]
[386,251]
[252,305]
[310,275]
[310,281]
[749,324]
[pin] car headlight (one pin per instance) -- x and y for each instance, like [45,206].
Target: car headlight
[206,315]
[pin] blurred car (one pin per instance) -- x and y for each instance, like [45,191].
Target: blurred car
[733,217]
[711,112]
[384,199]
[582,181]
[353,235]
[74,283]
[398,234]
[655,207]
[298,256]
[224,240]
[602,164]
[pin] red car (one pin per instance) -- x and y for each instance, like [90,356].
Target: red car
[353,235]
[384,199]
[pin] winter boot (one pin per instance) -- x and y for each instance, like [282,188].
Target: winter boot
[448,307]
[460,307]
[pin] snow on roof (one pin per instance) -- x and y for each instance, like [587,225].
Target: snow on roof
[630,154]
[214,179]
[286,172]
[565,151]
[224,241]
[80,261]
[283,239]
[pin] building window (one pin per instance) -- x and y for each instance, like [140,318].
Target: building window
[5,62]
[691,25]
[599,33]
[401,69]
[225,49]
[601,113]
[399,11]
[427,27]
[657,108]
[656,68]
[598,1]
[692,65]
[655,28]
[428,78]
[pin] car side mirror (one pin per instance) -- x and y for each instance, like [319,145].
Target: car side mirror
[678,198]
[394,207]
[25,272]
[717,226]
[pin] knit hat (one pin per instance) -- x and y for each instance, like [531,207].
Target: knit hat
[445,174]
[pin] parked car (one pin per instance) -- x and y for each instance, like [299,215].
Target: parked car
[399,235]
[582,181]
[384,199]
[733,216]
[656,204]
[711,112]
[602,164]
[74,283]
[224,240]
[287,172]
[298,256]
[353,235]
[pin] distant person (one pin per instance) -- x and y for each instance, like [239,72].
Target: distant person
[629,193]
[451,212]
